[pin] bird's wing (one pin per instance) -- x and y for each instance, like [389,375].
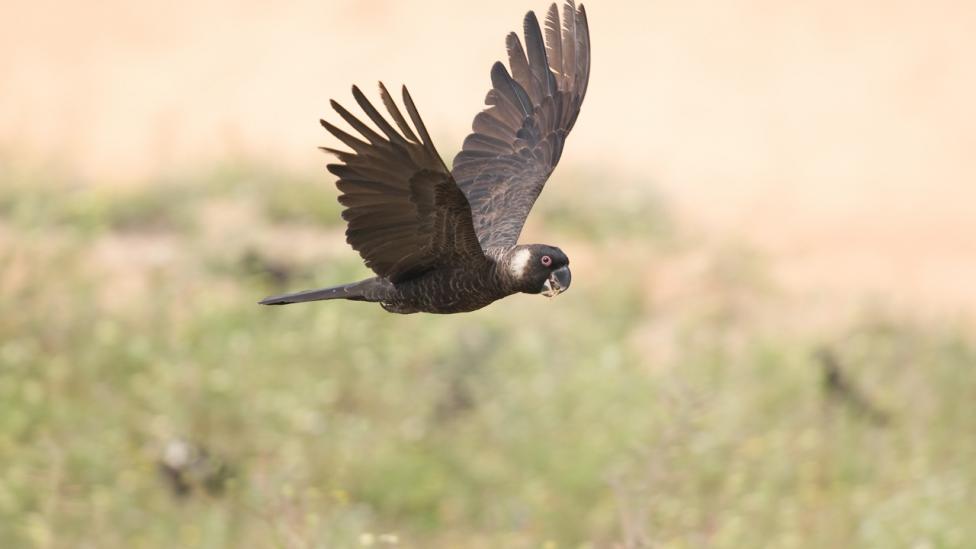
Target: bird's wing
[517,141]
[405,213]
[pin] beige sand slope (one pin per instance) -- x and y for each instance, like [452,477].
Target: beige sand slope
[837,135]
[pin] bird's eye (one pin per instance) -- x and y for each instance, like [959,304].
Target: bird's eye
[546,260]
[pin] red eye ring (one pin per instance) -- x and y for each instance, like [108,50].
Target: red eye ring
[546,260]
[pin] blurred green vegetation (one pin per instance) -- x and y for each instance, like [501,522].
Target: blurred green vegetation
[607,417]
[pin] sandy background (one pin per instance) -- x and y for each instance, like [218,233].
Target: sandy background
[836,136]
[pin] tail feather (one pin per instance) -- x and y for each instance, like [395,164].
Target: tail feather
[354,291]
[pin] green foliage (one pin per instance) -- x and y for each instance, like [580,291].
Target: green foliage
[533,423]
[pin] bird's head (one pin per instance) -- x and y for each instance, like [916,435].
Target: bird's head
[539,269]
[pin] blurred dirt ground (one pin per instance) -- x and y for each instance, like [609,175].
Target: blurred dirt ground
[835,136]
[769,211]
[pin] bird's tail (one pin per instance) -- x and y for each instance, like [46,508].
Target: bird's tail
[357,291]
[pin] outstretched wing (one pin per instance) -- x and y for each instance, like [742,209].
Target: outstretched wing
[405,213]
[519,138]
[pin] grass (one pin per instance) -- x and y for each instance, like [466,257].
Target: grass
[608,417]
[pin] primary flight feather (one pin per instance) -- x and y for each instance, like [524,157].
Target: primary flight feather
[445,241]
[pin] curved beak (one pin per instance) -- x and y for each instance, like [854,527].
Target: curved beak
[557,282]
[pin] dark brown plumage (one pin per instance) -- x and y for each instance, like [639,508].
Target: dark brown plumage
[444,241]
[517,142]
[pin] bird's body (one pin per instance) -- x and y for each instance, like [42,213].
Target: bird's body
[457,289]
[444,241]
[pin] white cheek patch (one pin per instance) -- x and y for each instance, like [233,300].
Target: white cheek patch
[519,262]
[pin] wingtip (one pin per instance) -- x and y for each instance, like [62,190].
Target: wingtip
[333,152]
[358,94]
[330,127]
[407,100]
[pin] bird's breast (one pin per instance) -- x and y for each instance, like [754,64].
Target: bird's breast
[451,291]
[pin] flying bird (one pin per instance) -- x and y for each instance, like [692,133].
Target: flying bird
[445,241]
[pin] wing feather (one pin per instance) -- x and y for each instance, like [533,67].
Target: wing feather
[538,62]
[488,125]
[554,40]
[517,141]
[417,122]
[509,90]
[570,41]
[395,113]
[376,117]
[405,213]
[347,140]
[371,136]
[520,65]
